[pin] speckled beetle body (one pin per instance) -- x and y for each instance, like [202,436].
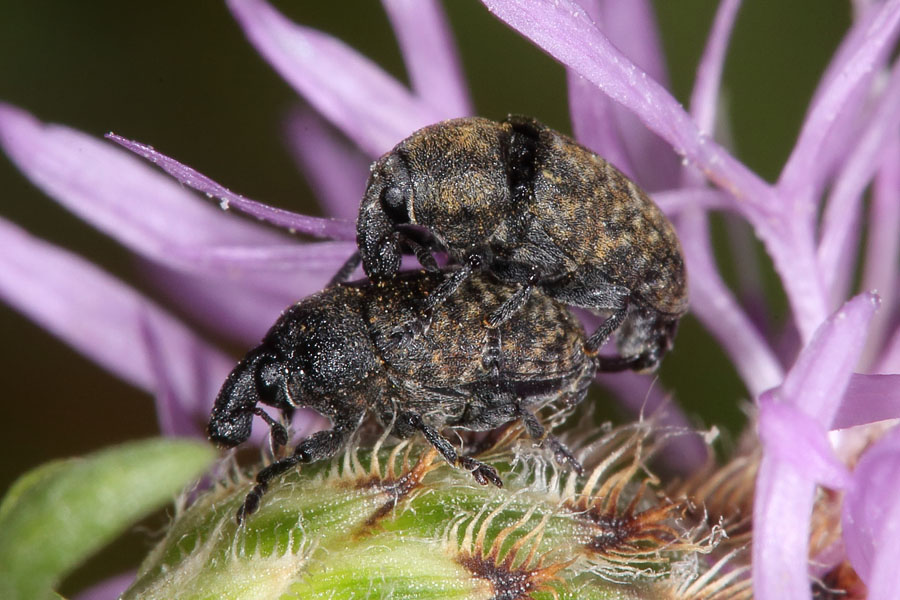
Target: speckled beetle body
[534,208]
[336,352]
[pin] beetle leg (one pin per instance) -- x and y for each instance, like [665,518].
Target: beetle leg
[511,306]
[606,329]
[423,255]
[318,446]
[403,334]
[452,283]
[537,432]
[346,269]
[640,362]
[482,472]
[278,431]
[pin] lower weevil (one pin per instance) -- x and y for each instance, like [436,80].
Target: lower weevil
[336,352]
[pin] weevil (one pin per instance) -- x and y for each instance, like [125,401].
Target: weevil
[336,352]
[536,209]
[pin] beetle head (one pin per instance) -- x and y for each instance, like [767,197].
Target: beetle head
[257,378]
[386,204]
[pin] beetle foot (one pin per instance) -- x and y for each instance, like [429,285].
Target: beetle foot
[251,502]
[564,456]
[481,472]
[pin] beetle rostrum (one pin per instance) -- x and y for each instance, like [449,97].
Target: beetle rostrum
[335,352]
[533,208]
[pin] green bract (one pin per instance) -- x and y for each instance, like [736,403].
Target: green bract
[400,523]
[56,516]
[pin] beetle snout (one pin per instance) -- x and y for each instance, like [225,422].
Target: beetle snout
[379,243]
[232,414]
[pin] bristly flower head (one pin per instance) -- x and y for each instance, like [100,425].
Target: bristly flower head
[834,206]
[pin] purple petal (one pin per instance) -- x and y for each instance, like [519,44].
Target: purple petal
[716,307]
[368,105]
[882,253]
[336,171]
[846,129]
[803,171]
[868,399]
[704,97]
[141,208]
[565,32]
[793,437]
[241,308]
[644,397]
[631,27]
[677,200]
[817,381]
[890,358]
[429,52]
[110,589]
[315,226]
[842,210]
[106,320]
[176,409]
[783,502]
[594,123]
[784,494]
[748,271]
[871,518]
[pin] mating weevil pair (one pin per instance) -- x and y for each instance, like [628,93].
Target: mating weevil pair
[531,219]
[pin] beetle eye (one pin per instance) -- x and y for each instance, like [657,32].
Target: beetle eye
[269,378]
[394,203]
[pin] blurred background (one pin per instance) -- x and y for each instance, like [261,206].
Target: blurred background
[181,77]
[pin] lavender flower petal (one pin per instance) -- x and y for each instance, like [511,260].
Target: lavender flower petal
[594,124]
[716,307]
[705,94]
[644,397]
[141,208]
[240,309]
[368,105]
[871,518]
[105,320]
[429,52]
[334,169]
[784,501]
[846,129]
[784,494]
[565,32]
[711,300]
[295,258]
[868,399]
[793,437]
[315,226]
[108,590]
[677,200]
[817,380]
[631,27]
[800,179]
[842,210]
[882,252]
[175,411]
[889,362]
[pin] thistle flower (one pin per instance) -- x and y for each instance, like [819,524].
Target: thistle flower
[824,508]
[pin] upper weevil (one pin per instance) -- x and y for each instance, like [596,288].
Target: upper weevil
[535,208]
[336,353]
